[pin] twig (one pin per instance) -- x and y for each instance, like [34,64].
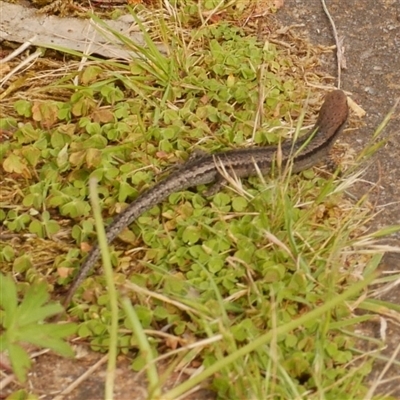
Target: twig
[18,51]
[10,378]
[338,42]
[83,377]
[379,379]
[261,98]
[87,51]
[32,58]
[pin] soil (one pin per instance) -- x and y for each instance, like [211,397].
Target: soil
[371,32]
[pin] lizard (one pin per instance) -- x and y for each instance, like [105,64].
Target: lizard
[205,168]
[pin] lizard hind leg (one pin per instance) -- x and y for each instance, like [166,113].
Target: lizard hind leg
[215,187]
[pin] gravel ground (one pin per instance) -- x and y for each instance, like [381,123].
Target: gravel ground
[371,32]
